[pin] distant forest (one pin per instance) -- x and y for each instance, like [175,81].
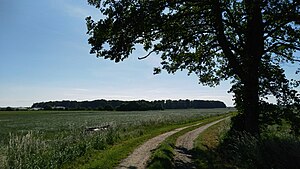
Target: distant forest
[141,105]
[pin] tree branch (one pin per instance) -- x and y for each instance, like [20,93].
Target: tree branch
[275,45]
[144,57]
[275,29]
[224,43]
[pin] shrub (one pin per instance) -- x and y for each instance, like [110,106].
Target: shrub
[279,153]
[241,149]
[246,151]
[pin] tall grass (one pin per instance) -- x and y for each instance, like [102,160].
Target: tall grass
[31,151]
[269,151]
[47,146]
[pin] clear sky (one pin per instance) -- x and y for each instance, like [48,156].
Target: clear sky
[44,56]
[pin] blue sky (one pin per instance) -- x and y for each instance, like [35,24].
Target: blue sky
[44,55]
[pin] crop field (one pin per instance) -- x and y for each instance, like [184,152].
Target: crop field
[17,122]
[50,139]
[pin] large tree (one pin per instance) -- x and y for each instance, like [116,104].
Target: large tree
[245,41]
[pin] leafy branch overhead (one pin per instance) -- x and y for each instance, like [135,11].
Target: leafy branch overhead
[245,41]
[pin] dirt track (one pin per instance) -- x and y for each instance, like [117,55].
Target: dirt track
[138,159]
[185,143]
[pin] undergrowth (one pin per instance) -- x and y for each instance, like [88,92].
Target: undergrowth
[273,149]
[243,150]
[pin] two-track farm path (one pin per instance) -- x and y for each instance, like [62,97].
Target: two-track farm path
[138,159]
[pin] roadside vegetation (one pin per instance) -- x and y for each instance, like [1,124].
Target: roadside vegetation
[274,148]
[163,156]
[205,146]
[221,147]
[60,140]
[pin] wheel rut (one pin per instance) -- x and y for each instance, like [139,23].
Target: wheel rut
[184,145]
[138,159]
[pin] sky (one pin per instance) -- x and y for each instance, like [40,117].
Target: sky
[44,56]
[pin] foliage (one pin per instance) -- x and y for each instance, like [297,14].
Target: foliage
[246,41]
[141,105]
[243,150]
[274,148]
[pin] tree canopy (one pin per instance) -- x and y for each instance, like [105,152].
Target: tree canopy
[245,41]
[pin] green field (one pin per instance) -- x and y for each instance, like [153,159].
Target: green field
[50,139]
[56,121]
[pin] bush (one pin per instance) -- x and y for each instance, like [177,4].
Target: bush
[246,151]
[240,149]
[279,153]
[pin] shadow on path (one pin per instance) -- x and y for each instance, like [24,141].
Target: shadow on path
[185,161]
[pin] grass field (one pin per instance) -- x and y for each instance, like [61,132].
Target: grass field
[50,139]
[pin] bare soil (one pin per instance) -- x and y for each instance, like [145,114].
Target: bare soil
[140,156]
[138,159]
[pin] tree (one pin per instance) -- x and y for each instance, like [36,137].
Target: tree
[245,41]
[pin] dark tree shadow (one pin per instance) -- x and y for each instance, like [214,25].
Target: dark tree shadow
[187,162]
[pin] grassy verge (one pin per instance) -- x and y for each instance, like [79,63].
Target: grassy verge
[270,150]
[162,157]
[110,157]
[218,150]
[206,144]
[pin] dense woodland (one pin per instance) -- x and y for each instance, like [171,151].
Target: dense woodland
[118,105]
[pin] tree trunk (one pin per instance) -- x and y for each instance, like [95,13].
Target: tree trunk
[246,67]
[251,104]
[250,80]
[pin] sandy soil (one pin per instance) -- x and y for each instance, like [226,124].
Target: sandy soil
[184,145]
[138,159]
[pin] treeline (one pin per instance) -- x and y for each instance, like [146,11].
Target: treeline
[14,108]
[118,105]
